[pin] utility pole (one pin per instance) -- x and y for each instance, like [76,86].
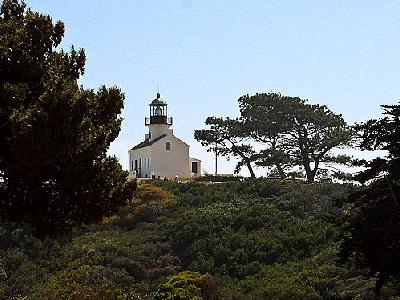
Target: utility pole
[216,160]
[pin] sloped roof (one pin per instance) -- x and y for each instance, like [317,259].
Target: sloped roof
[147,142]
[158,101]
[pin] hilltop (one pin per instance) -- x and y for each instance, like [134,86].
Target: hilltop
[257,239]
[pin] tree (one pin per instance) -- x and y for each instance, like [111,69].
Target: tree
[372,234]
[54,134]
[275,151]
[226,136]
[294,132]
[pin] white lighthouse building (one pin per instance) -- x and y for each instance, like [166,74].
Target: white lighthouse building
[161,154]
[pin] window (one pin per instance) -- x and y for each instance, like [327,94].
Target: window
[167,146]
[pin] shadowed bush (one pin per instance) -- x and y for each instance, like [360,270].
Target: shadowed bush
[188,286]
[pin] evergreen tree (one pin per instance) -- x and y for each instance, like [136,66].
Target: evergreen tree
[280,132]
[227,138]
[372,236]
[54,134]
[295,133]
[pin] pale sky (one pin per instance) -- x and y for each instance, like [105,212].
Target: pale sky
[204,55]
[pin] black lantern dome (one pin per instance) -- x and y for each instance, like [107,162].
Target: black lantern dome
[158,112]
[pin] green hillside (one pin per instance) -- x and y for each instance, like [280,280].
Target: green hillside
[73,226]
[258,239]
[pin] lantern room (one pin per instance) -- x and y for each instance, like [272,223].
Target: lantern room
[158,112]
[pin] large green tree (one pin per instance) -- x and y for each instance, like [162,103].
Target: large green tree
[54,134]
[227,138]
[295,132]
[280,132]
[372,235]
[275,151]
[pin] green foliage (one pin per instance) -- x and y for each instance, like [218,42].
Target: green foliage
[236,227]
[24,259]
[149,193]
[288,131]
[87,282]
[372,233]
[294,132]
[257,239]
[54,135]
[150,204]
[235,238]
[188,286]
[227,137]
[293,280]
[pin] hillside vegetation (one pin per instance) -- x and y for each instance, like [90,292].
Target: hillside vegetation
[258,239]
[72,226]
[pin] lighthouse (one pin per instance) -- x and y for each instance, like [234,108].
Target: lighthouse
[159,123]
[161,154]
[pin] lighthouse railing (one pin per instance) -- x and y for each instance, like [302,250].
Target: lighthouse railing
[158,120]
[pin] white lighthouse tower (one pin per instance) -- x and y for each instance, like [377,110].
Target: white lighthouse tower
[158,122]
[161,154]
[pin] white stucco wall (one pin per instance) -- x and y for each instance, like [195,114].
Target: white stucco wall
[157,130]
[198,161]
[170,163]
[155,159]
[143,156]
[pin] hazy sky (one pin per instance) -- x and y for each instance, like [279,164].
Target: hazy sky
[205,54]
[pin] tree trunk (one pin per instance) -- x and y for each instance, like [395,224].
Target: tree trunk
[378,288]
[280,171]
[278,165]
[245,159]
[216,160]
[310,174]
[248,164]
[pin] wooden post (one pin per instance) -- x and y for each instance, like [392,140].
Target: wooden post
[216,160]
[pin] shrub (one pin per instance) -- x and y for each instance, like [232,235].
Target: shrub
[133,268]
[86,282]
[188,286]
[236,237]
[149,205]
[293,280]
[150,193]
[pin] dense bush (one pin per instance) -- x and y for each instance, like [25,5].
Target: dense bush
[87,282]
[151,193]
[24,259]
[235,238]
[294,280]
[258,239]
[188,286]
[150,204]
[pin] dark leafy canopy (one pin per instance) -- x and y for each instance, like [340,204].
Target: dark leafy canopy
[227,137]
[289,131]
[295,132]
[265,117]
[373,239]
[382,134]
[53,134]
